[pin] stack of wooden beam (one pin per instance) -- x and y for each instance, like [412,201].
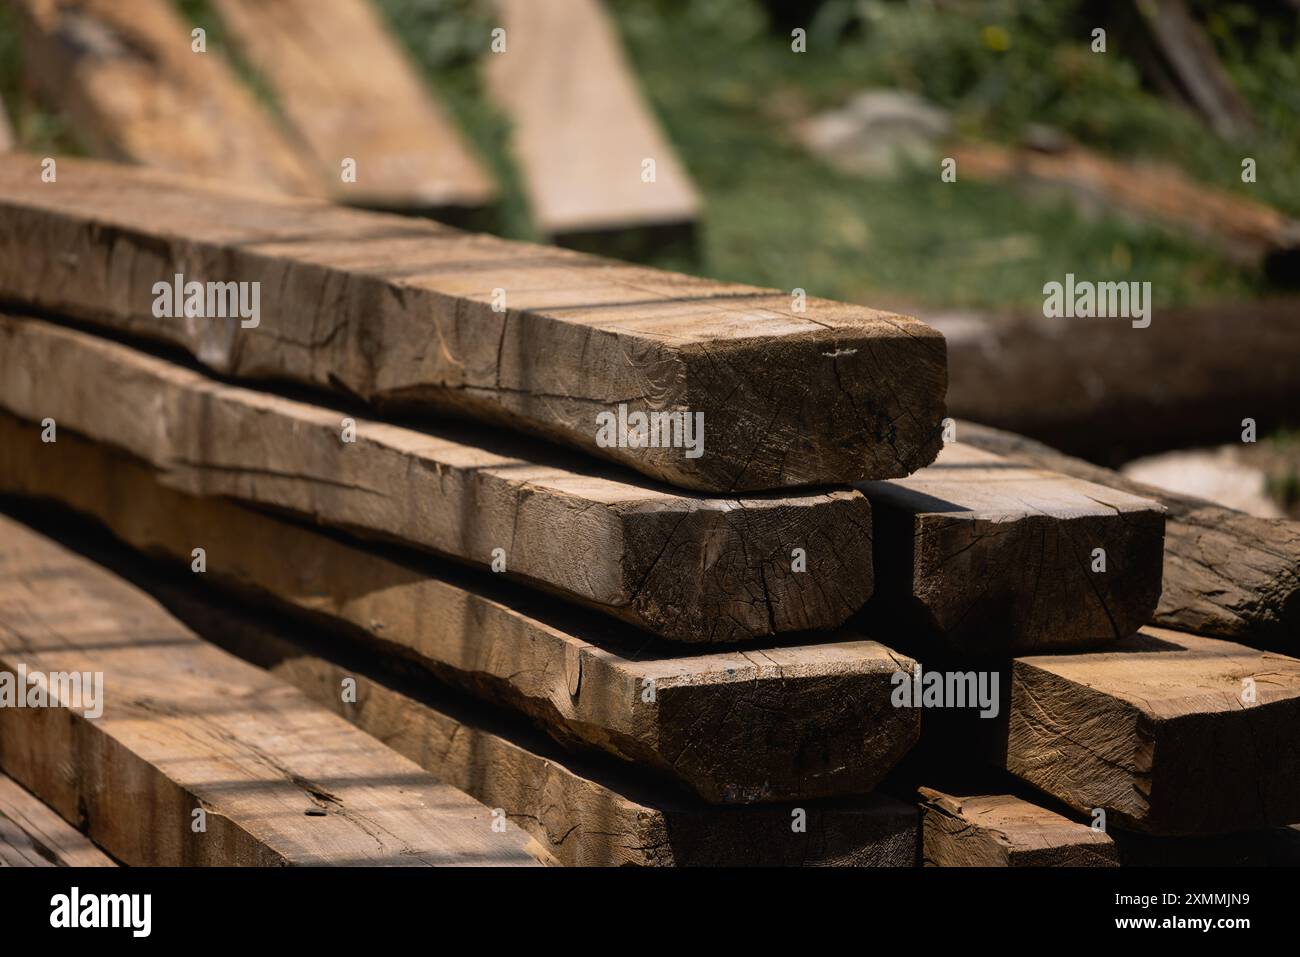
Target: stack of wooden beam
[405,487]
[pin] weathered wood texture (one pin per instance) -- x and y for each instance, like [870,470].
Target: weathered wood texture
[128,78]
[1239,227]
[350,92]
[787,722]
[1002,830]
[581,129]
[585,813]
[32,835]
[685,567]
[1098,387]
[186,726]
[1226,574]
[995,557]
[1161,734]
[589,816]
[401,311]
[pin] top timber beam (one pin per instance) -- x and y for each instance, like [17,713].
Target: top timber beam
[129,78]
[413,315]
[348,90]
[582,132]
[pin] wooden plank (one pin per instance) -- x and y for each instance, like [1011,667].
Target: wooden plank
[1101,389]
[400,311]
[1002,830]
[992,557]
[350,92]
[1188,53]
[584,812]
[589,817]
[1156,733]
[1226,574]
[1241,228]
[185,727]
[797,721]
[581,129]
[32,835]
[685,567]
[135,90]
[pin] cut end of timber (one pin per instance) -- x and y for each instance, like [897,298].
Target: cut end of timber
[784,723]
[859,397]
[1226,574]
[1168,733]
[758,567]
[994,557]
[1001,830]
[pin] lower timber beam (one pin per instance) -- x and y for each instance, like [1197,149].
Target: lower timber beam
[1001,830]
[994,557]
[806,719]
[1226,574]
[1167,733]
[684,566]
[165,750]
[32,835]
[584,812]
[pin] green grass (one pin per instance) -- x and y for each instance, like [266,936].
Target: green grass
[724,83]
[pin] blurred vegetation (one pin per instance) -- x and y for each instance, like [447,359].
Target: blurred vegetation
[725,83]
[1281,462]
[38,130]
[447,38]
[723,79]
